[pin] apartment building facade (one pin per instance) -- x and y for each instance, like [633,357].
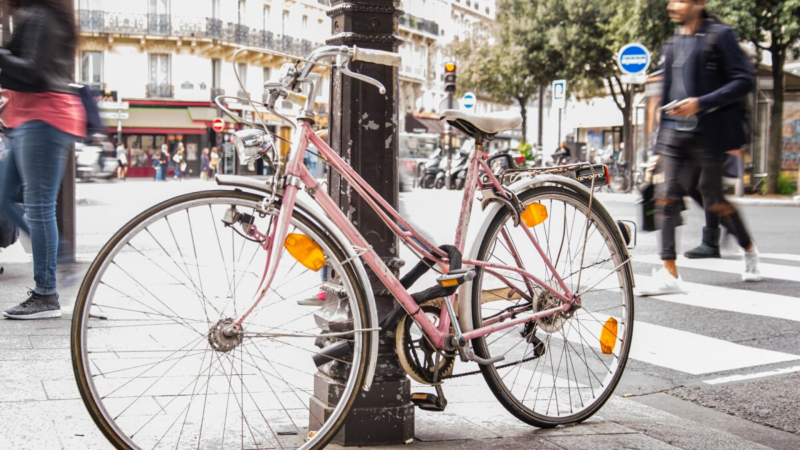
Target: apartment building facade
[168,59]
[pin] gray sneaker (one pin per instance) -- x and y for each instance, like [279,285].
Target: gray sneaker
[36,307]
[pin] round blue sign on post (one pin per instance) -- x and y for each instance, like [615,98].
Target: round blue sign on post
[469,100]
[634,59]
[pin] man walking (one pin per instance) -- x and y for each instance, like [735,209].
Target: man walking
[706,76]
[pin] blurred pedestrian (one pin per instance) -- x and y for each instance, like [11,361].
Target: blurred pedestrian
[163,161]
[205,165]
[214,162]
[705,78]
[179,160]
[47,117]
[155,163]
[122,159]
[562,155]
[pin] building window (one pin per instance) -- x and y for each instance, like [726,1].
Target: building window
[267,75]
[242,10]
[267,12]
[284,22]
[216,73]
[305,23]
[241,69]
[92,69]
[160,78]
[215,9]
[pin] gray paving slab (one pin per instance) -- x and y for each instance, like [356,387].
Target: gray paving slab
[671,429]
[608,441]
[771,437]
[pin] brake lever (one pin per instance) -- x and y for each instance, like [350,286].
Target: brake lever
[346,71]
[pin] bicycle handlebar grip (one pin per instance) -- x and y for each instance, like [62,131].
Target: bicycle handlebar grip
[298,99]
[376,57]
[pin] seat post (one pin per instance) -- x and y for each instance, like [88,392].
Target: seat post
[479,138]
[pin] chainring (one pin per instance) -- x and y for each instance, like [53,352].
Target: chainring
[417,356]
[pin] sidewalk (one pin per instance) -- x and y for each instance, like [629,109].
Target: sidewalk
[41,408]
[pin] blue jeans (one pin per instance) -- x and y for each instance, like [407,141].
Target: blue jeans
[36,162]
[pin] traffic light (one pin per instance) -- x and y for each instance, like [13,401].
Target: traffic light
[450,78]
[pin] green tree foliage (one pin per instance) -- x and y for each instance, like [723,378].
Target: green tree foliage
[538,41]
[592,33]
[773,26]
[520,59]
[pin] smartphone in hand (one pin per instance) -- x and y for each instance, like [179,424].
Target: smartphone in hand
[670,106]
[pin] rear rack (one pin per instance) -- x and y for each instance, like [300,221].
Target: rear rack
[585,173]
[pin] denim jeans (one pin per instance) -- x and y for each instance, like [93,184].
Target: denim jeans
[682,153]
[36,162]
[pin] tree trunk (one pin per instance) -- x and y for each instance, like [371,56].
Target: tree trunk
[524,112]
[540,131]
[627,126]
[776,120]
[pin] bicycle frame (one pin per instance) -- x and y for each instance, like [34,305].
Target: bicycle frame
[296,172]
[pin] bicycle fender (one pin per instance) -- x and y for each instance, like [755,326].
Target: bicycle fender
[315,213]
[471,252]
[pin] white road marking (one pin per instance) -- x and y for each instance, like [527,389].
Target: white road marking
[724,265]
[752,376]
[783,256]
[733,300]
[681,350]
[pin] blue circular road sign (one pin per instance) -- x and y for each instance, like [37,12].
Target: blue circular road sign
[469,100]
[634,59]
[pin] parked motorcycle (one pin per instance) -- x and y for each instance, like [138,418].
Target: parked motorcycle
[95,160]
[458,169]
[430,169]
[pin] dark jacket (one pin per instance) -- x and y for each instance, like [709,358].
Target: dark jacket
[722,80]
[39,57]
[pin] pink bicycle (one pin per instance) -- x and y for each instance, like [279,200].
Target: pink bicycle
[187,332]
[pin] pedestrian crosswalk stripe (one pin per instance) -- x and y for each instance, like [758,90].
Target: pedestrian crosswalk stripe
[727,266]
[696,354]
[752,376]
[683,351]
[783,256]
[732,300]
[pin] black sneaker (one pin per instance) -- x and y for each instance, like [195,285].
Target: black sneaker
[36,307]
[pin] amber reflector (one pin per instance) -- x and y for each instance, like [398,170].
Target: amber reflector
[305,251]
[608,337]
[534,214]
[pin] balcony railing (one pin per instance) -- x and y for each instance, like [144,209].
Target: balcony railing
[158,24]
[417,23]
[160,90]
[191,27]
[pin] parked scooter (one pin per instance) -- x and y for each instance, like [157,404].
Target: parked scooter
[430,169]
[458,169]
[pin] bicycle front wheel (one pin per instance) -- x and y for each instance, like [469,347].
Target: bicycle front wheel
[157,362]
[562,368]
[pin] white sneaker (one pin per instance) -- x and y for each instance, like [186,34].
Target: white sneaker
[662,283]
[751,272]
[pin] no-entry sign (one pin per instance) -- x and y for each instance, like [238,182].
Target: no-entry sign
[218,125]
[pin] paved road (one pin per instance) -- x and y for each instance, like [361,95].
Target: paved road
[724,355]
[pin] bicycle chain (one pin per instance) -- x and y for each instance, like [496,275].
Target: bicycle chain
[459,375]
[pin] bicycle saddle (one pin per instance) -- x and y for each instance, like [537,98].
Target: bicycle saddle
[489,124]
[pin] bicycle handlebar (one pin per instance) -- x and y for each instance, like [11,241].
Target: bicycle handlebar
[376,57]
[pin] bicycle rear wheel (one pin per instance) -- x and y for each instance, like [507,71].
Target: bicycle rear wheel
[559,369]
[152,351]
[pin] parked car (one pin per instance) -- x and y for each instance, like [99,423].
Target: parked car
[95,160]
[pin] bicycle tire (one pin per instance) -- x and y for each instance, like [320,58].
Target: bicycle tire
[563,333]
[267,378]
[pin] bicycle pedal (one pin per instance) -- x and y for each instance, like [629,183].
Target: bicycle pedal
[429,402]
